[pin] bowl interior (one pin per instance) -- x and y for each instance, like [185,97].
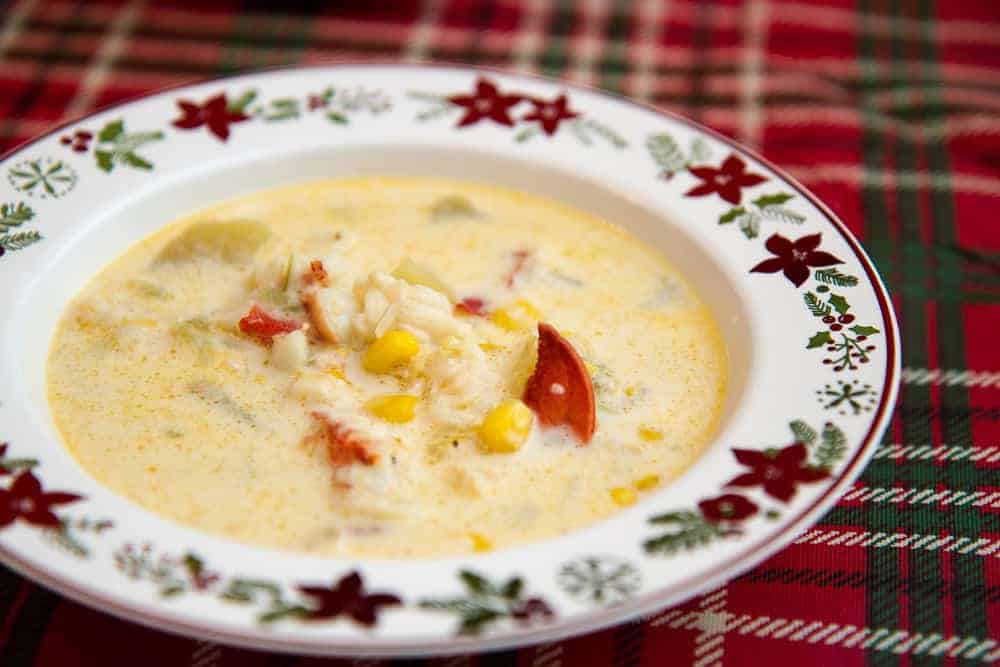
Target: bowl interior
[106,235]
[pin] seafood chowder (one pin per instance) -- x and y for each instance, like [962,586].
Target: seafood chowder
[387,367]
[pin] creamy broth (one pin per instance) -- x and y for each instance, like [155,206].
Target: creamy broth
[169,390]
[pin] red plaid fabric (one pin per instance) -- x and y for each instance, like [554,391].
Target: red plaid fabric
[888,109]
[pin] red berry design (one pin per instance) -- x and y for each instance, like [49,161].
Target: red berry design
[829,319]
[846,319]
[836,327]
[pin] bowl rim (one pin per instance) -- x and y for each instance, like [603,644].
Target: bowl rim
[584,622]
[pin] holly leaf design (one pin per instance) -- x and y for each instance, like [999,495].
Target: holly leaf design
[700,152]
[832,448]
[111,131]
[690,530]
[861,330]
[839,303]
[776,199]
[731,215]
[133,160]
[105,160]
[338,118]
[476,583]
[819,339]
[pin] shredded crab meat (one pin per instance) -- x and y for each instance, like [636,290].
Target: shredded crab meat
[462,384]
[390,303]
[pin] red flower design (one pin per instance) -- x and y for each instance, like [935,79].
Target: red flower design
[26,500]
[728,180]
[486,104]
[550,114]
[531,609]
[317,102]
[214,112]
[794,257]
[778,471]
[347,597]
[727,507]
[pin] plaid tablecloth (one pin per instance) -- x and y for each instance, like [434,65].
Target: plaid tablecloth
[888,109]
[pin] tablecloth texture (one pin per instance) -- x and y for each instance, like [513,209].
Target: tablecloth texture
[888,109]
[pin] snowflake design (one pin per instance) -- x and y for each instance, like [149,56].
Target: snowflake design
[847,396]
[43,178]
[599,579]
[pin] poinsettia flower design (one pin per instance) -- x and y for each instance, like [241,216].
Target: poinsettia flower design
[728,180]
[727,507]
[26,500]
[214,112]
[486,103]
[348,598]
[550,114]
[794,257]
[778,471]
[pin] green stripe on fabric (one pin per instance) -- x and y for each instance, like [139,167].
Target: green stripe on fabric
[614,64]
[970,612]
[880,610]
[554,60]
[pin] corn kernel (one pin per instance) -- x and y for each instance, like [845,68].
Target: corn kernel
[393,350]
[488,347]
[506,427]
[518,316]
[394,408]
[648,482]
[623,496]
[650,434]
[337,372]
[480,542]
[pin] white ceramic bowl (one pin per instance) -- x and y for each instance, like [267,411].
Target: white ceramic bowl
[808,400]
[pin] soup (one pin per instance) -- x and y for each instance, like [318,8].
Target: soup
[385,367]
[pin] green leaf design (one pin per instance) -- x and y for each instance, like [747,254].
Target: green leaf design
[816,306]
[512,589]
[111,131]
[771,200]
[861,330]
[819,339]
[666,152]
[243,101]
[133,160]
[700,150]
[15,215]
[832,448]
[839,303]
[834,277]
[781,214]
[476,583]
[105,160]
[691,530]
[19,240]
[749,224]
[335,117]
[193,564]
[802,432]
[731,215]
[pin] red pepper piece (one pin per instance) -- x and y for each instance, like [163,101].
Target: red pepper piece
[559,391]
[471,305]
[343,446]
[264,327]
[316,275]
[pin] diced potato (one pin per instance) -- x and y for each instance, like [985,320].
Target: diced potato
[623,496]
[393,408]
[416,273]
[289,352]
[235,242]
[393,350]
[648,482]
[461,481]
[519,316]
[506,428]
